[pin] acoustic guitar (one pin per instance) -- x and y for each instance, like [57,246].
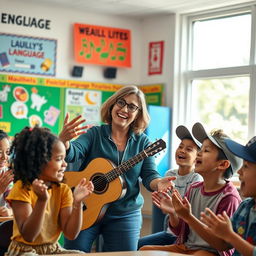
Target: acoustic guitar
[109,185]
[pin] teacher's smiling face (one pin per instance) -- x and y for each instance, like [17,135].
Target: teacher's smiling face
[125,111]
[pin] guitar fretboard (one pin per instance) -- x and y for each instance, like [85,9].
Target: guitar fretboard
[125,166]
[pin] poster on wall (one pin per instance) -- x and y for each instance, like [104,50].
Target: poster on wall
[30,101]
[84,102]
[155,59]
[102,45]
[26,54]
[28,104]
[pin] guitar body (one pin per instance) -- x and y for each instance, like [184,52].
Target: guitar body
[109,185]
[104,193]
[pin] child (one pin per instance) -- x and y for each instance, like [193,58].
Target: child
[215,163]
[43,206]
[240,232]
[6,175]
[185,157]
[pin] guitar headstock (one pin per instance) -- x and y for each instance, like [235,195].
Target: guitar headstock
[156,147]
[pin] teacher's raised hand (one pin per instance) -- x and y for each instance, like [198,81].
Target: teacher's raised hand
[72,129]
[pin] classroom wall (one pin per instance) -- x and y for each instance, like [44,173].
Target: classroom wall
[62,20]
[160,28]
[143,31]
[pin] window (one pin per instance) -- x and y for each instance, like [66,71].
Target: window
[222,103]
[217,84]
[221,42]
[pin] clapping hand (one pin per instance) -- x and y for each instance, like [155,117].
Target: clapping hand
[6,177]
[163,201]
[219,224]
[181,205]
[82,190]
[4,211]
[40,189]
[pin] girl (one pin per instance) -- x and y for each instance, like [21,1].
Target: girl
[42,205]
[6,175]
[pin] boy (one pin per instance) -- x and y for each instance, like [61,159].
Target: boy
[185,157]
[240,232]
[215,163]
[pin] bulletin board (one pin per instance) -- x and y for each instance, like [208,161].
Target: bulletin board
[27,101]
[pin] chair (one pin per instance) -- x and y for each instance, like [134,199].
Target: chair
[5,234]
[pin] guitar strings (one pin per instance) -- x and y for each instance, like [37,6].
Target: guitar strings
[104,178]
[118,169]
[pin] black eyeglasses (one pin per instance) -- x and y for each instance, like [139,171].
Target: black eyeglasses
[122,103]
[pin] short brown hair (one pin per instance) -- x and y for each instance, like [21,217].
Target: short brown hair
[142,120]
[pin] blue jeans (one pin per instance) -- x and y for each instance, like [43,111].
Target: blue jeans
[159,238]
[120,233]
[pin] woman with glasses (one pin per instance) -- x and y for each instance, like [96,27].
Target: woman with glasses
[119,139]
[6,176]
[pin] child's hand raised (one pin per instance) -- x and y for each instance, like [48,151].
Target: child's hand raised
[40,189]
[163,201]
[219,224]
[4,211]
[181,205]
[82,190]
[5,179]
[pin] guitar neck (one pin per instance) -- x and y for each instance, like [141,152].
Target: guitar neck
[125,166]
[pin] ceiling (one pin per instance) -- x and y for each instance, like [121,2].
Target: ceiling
[141,8]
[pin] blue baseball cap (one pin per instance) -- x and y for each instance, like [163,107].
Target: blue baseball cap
[247,152]
[183,133]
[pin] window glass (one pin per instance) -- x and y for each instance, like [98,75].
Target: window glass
[223,104]
[221,42]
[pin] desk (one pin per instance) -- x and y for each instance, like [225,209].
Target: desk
[131,253]
[2,219]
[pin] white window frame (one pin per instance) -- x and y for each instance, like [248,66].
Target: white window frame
[183,86]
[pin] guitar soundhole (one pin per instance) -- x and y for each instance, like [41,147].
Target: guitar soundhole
[100,183]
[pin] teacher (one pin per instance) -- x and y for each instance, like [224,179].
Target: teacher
[121,137]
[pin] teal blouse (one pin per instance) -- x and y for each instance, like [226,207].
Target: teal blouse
[97,142]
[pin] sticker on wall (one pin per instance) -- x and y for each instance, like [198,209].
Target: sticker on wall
[74,111]
[37,100]
[51,115]
[92,98]
[35,120]
[155,60]
[5,126]
[19,110]
[4,93]
[20,94]
[84,102]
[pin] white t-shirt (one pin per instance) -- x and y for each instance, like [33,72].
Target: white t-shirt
[182,183]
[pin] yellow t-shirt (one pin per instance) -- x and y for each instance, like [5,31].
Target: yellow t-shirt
[59,197]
